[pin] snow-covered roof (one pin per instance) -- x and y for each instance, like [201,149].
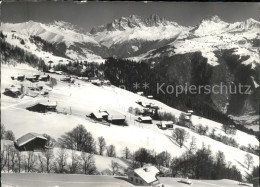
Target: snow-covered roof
[32,77]
[83,78]
[167,123]
[147,173]
[98,115]
[28,137]
[96,81]
[149,96]
[145,118]
[15,89]
[116,117]
[48,103]
[103,113]
[43,76]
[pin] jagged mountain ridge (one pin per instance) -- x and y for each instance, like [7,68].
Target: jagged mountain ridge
[129,36]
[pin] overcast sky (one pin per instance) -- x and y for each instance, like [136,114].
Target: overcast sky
[88,15]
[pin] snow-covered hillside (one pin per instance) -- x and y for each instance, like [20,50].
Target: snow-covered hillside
[82,98]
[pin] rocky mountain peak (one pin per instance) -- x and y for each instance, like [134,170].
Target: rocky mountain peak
[133,21]
[212,18]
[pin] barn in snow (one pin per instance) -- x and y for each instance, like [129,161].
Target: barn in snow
[31,142]
[116,119]
[43,107]
[165,125]
[145,119]
[13,91]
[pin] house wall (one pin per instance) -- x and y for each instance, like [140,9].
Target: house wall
[136,180]
[117,122]
[36,144]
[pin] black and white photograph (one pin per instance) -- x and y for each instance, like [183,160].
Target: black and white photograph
[124,94]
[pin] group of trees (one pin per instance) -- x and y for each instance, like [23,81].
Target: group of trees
[10,52]
[204,165]
[81,69]
[125,73]
[57,49]
[47,161]
[6,134]
[195,163]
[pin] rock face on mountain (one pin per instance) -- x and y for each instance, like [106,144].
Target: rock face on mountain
[133,21]
[229,51]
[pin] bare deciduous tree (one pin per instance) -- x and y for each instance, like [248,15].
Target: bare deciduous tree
[101,145]
[115,166]
[12,158]
[180,135]
[78,139]
[193,145]
[19,160]
[88,163]
[61,160]
[75,162]
[30,161]
[3,158]
[2,131]
[9,135]
[111,151]
[41,162]
[249,161]
[48,155]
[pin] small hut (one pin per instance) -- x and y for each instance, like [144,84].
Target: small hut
[43,107]
[145,119]
[31,142]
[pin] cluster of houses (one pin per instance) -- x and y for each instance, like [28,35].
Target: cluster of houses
[15,90]
[110,117]
[149,109]
[33,78]
[71,78]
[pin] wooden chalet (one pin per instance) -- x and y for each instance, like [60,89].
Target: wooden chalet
[31,142]
[18,77]
[150,97]
[165,125]
[96,116]
[12,91]
[44,78]
[116,119]
[107,82]
[32,78]
[96,82]
[104,114]
[140,93]
[43,107]
[145,119]
[145,176]
[66,79]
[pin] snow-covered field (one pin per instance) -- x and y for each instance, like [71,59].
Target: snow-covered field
[42,180]
[82,98]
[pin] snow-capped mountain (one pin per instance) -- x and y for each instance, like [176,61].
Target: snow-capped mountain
[136,37]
